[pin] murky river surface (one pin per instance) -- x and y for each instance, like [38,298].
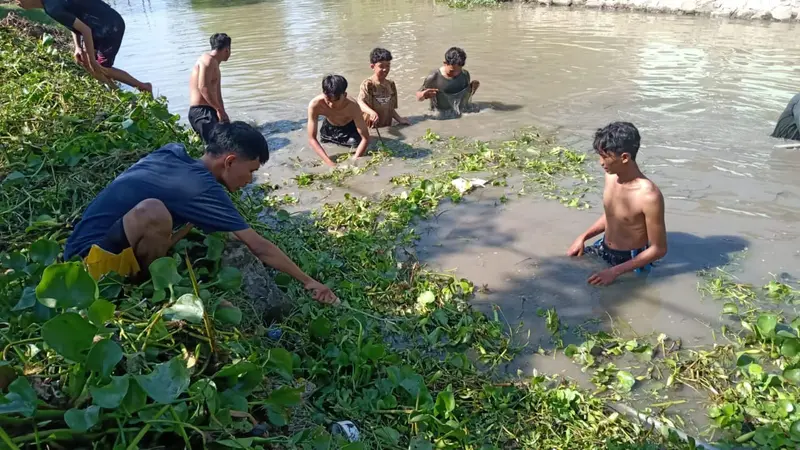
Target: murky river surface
[704,92]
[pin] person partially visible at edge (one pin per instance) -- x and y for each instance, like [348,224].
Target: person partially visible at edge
[97,31]
[378,95]
[634,233]
[140,215]
[448,81]
[788,126]
[343,124]
[206,107]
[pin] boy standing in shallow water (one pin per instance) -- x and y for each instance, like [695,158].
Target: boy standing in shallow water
[344,123]
[449,87]
[378,95]
[634,233]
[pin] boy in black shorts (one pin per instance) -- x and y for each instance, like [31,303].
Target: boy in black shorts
[97,31]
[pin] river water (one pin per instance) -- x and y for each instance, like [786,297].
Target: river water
[705,94]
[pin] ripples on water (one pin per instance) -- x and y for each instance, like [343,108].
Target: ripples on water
[703,91]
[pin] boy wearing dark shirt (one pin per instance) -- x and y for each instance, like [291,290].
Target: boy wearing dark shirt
[101,29]
[450,87]
[130,224]
[788,126]
[378,95]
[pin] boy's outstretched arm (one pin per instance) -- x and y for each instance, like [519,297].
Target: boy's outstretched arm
[363,131]
[313,118]
[576,249]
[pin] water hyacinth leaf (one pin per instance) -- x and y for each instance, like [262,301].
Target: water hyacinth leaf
[794,430]
[320,327]
[277,415]
[744,360]
[246,382]
[44,251]
[21,398]
[373,352]
[388,435]
[285,396]
[233,400]
[66,285]
[70,335]
[207,390]
[445,403]
[166,382]
[730,308]
[110,395]
[81,420]
[236,443]
[111,285]
[625,381]
[164,273]
[766,324]
[792,375]
[135,399]
[103,357]
[234,370]
[280,361]
[790,347]
[100,312]
[15,261]
[227,313]
[229,278]
[215,246]
[26,300]
[353,446]
[188,307]
[419,443]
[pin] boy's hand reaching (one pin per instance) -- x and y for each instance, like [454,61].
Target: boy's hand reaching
[322,293]
[429,93]
[372,119]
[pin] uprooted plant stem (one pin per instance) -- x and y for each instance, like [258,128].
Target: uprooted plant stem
[164,364]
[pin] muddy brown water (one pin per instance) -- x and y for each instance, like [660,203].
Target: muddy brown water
[704,92]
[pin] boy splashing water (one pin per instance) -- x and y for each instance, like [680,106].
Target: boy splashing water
[344,123]
[378,95]
[450,87]
[634,233]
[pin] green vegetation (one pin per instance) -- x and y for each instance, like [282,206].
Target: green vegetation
[173,363]
[463,4]
[751,376]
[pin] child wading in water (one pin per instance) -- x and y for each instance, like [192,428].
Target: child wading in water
[344,122]
[378,95]
[450,88]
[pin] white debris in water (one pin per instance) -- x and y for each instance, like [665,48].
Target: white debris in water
[464,185]
[746,213]
[733,172]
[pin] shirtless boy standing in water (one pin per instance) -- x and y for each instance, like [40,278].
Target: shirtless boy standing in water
[205,88]
[633,223]
[344,123]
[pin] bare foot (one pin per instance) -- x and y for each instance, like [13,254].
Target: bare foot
[146,87]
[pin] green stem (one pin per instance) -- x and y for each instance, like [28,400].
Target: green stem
[182,431]
[23,341]
[145,429]
[62,434]
[7,440]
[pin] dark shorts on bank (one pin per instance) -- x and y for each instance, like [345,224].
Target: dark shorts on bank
[345,135]
[115,240]
[203,119]
[615,257]
[106,46]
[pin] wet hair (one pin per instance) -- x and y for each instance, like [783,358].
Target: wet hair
[455,56]
[333,86]
[220,41]
[239,138]
[617,138]
[379,55]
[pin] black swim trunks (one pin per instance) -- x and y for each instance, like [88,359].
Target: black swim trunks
[615,257]
[788,126]
[203,119]
[345,135]
[106,24]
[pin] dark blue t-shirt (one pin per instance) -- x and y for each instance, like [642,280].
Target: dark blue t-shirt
[185,186]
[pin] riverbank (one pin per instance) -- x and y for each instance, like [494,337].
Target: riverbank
[777,10]
[195,371]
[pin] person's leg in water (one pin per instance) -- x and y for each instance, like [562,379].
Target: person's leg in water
[148,227]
